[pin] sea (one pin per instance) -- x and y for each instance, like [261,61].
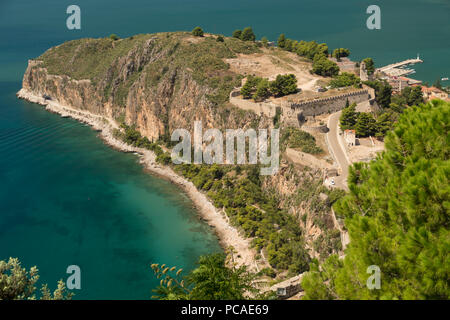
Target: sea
[68,199]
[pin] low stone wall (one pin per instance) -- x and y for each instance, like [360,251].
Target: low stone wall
[266,108]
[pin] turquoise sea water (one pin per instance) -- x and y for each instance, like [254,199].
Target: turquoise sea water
[66,198]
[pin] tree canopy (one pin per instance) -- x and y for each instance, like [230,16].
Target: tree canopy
[248,35]
[370,65]
[16,283]
[397,216]
[261,88]
[211,280]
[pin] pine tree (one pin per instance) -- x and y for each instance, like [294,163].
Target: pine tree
[248,35]
[348,117]
[237,34]
[365,125]
[397,215]
[281,41]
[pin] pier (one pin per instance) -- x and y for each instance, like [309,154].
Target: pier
[396,70]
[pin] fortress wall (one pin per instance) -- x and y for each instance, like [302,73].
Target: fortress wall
[331,104]
[292,114]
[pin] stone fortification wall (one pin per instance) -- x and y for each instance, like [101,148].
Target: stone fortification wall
[331,104]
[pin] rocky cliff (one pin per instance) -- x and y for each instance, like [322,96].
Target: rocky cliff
[156,82]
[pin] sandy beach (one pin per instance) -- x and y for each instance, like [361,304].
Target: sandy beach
[228,235]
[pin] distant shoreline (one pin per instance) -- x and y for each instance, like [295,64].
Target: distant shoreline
[228,235]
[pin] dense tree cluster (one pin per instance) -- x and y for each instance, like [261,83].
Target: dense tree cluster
[261,88]
[324,67]
[409,96]
[245,35]
[383,92]
[397,216]
[392,106]
[345,79]
[340,53]
[313,51]
[364,123]
[238,190]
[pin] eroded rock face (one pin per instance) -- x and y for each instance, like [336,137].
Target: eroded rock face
[155,100]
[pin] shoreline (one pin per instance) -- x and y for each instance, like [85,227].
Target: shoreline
[227,235]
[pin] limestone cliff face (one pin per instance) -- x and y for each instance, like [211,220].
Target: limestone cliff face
[149,86]
[300,191]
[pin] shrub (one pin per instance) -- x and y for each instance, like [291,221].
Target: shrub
[248,35]
[197,31]
[345,79]
[114,37]
[237,34]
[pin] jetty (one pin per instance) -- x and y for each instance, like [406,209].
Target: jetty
[397,70]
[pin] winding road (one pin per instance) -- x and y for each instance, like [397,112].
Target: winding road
[336,146]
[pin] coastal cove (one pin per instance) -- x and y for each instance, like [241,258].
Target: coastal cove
[228,235]
[67,198]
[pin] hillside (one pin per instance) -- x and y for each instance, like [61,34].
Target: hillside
[154,84]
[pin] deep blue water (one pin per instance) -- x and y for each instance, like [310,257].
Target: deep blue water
[66,198]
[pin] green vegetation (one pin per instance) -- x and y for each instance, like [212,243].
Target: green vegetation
[340,53]
[392,105]
[237,34]
[410,96]
[114,37]
[309,49]
[101,60]
[220,38]
[248,35]
[245,35]
[364,123]
[211,280]
[370,65]
[397,216]
[345,79]
[349,116]
[281,41]
[295,138]
[383,92]
[324,67]
[197,31]
[313,51]
[283,85]
[131,136]
[16,283]
[238,190]
[261,88]
[265,42]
